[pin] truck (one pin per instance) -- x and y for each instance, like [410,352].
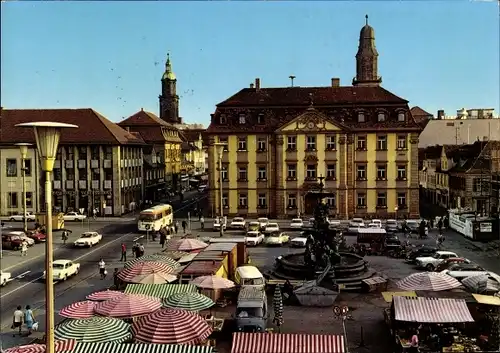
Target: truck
[251,310]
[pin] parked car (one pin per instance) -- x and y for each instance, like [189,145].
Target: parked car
[298,242]
[263,221]
[20,218]
[254,238]
[38,237]
[63,269]
[74,216]
[238,223]
[391,226]
[333,223]
[413,226]
[272,227]
[465,269]
[253,226]
[296,223]
[88,239]
[422,251]
[451,261]
[356,223]
[431,262]
[202,188]
[23,237]
[5,277]
[276,238]
[374,225]
[378,222]
[218,223]
[11,242]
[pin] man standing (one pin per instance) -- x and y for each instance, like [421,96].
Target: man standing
[17,320]
[124,252]
[202,222]
[24,248]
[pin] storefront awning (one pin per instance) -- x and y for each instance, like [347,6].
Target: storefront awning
[159,290]
[244,342]
[138,348]
[431,310]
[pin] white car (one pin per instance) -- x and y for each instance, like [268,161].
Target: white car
[74,216]
[5,277]
[23,237]
[19,217]
[238,223]
[272,227]
[263,222]
[276,238]
[254,238]
[218,224]
[88,239]
[334,223]
[378,222]
[298,242]
[63,269]
[431,262]
[374,225]
[356,223]
[296,223]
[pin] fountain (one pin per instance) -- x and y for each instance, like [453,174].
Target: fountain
[323,259]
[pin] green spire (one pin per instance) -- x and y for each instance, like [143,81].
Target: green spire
[168,74]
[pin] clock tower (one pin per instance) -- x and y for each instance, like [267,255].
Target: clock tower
[367,59]
[169,100]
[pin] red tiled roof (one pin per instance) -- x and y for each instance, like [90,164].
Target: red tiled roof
[144,118]
[149,127]
[301,96]
[93,128]
[417,111]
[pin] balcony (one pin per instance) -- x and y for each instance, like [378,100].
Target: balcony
[95,184]
[107,163]
[82,164]
[69,163]
[107,184]
[56,184]
[94,164]
[82,184]
[70,184]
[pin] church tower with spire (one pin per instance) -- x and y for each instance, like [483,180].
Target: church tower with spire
[169,100]
[367,59]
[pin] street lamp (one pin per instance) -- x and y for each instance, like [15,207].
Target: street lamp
[396,212]
[220,151]
[47,135]
[23,147]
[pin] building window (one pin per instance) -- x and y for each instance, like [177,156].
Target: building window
[381,117]
[291,143]
[330,143]
[361,172]
[401,116]
[292,171]
[401,200]
[361,117]
[262,202]
[331,202]
[11,167]
[331,172]
[224,141]
[361,143]
[261,144]
[311,143]
[242,144]
[27,167]
[224,173]
[381,200]
[401,142]
[225,200]
[361,203]
[29,199]
[401,172]
[222,119]
[12,200]
[382,143]
[243,119]
[243,201]
[381,172]
[242,174]
[262,174]
[260,118]
[292,201]
[311,172]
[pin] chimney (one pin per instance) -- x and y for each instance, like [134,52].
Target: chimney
[335,82]
[440,115]
[251,85]
[257,84]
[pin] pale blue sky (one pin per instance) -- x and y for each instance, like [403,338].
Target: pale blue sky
[110,55]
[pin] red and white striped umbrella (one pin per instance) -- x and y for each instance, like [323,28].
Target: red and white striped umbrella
[60,346]
[79,310]
[171,326]
[128,305]
[187,245]
[143,268]
[430,281]
[104,295]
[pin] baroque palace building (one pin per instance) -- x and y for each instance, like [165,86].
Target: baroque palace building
[282,142]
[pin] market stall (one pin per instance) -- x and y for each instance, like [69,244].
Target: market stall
[139,347]
[161,291]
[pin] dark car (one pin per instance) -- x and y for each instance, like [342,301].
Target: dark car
[38,237]
[465,267]
[11,242]
[421,252]
[391,226]
[450,262]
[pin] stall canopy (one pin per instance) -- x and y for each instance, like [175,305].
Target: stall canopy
[244,342]
[139,348]
[388,295]
[487,299]
[161,291]
[431,310]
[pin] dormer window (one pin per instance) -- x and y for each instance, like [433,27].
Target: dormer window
[260,118]
[223,119]
[401,116]
[361,117]
[243,119]
[381,117]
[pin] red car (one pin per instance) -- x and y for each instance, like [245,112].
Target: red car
[11,242]
[451,261]
[38,237]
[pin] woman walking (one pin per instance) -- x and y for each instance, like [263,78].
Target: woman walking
[29,319]
[102,269]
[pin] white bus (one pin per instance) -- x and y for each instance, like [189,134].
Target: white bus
[154,218]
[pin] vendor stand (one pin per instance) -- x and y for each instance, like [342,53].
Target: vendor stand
[388,299]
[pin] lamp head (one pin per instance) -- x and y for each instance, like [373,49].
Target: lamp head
[47,135]
[23,147]
[220,147]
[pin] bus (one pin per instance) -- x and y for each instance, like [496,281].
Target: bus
[156,217]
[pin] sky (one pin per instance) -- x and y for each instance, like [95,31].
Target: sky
[110,56]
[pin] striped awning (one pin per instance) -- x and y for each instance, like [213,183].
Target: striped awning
[431,310]
[244,342]
[139,348]
[161,291]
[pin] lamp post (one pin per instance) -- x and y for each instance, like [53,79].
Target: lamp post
[47,135]
[23,147]
[220,150]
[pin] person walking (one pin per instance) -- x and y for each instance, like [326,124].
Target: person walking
[440,224]
[124,253]
[24,248]
[163,238]
[176,227]
[17,320]
[202,222]
[29,319]
[64,236]
[141,250]
[102,269]
[184,225]
[116,280]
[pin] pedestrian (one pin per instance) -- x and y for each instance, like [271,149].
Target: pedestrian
[141,250]
[24,248]
[431,223]
[440,224]
[29,319]
[184,225]
[176,227]
[64,236]
[124,252]
[135,250]
[102,269]
[94,213]
[414,343]
[17,320]
[202,222]
[116,280]
[163,238]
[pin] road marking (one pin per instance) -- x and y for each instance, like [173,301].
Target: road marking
[74,260]
[22,275]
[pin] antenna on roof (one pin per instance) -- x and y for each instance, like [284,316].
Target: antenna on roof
[292,77]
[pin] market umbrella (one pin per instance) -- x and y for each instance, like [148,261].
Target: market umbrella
[212,282]
[104,295]
[60,347]
[154,258]
[95,329]
[278,307]
[188,244]
[154,278]
[430,281]
[143,268]
[79,310]
[477,283]
[128,305]
[188,301]
[171,326]
[174,254]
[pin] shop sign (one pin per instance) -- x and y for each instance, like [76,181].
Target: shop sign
[485,227]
